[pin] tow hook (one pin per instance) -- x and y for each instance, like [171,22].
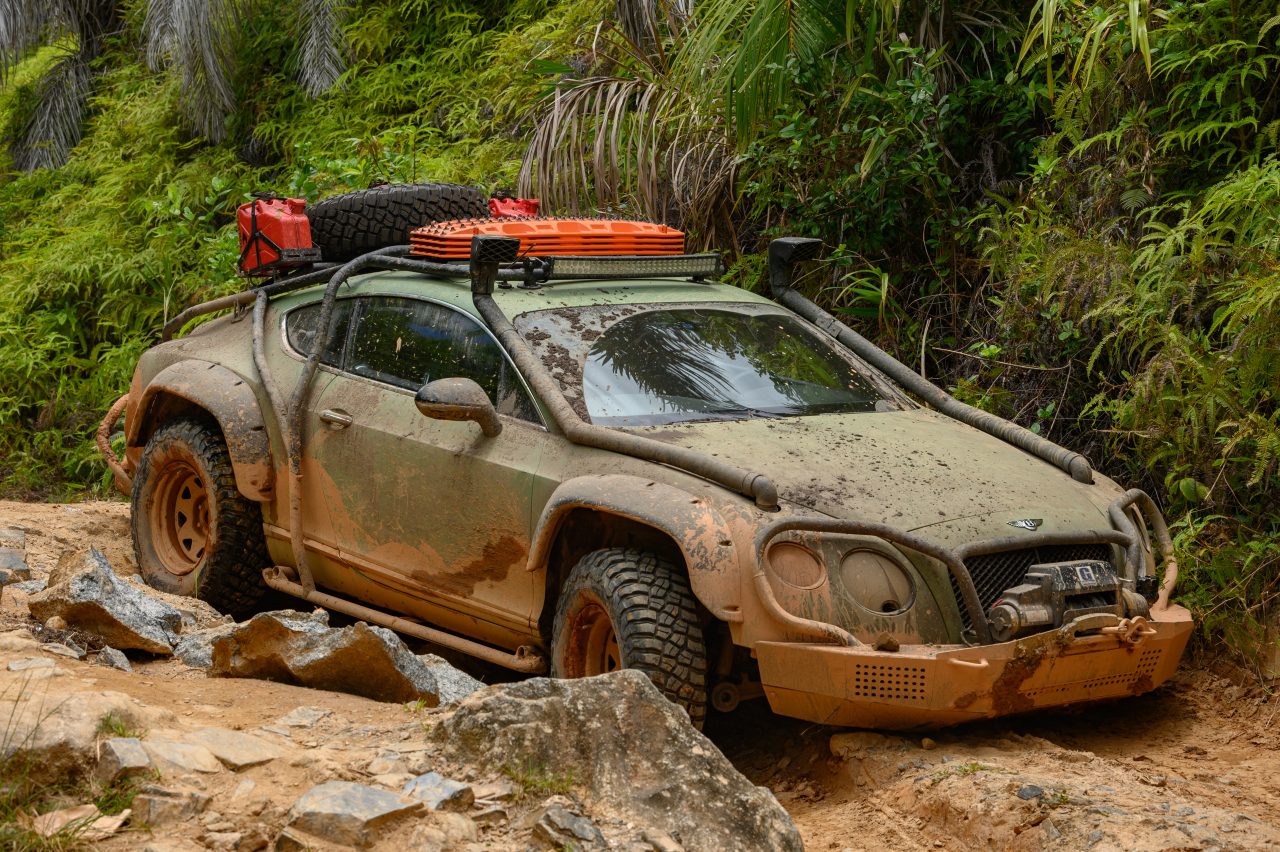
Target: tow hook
[1132,630]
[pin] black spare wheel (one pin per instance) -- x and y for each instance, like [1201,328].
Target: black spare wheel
[194,533]
[627,609]
[349,225]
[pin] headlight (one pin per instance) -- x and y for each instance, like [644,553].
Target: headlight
[876,582]
[796,565]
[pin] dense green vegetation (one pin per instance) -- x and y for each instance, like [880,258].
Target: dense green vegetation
[1069,213]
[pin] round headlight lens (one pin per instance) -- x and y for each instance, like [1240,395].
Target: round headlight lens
[796,565]
[876,582]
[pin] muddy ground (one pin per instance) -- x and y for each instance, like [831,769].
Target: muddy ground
[1195,765]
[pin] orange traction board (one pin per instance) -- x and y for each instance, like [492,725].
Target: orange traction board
[549,237]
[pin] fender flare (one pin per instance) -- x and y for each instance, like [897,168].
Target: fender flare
[232,403]
[698,530]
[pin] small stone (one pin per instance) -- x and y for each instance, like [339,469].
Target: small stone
[661,841]
[121,757]
[346,812]
[1051,831]
[55,624]
[503,788]
[222,825]
[180,758]
[222,841]
[386,763]
[30,587]
[560,829]
[243,789]
[1095,836]
[492,815]
[440,793]
[886,642]
[457,828]
[303,717]
[31,663]
[109,656]
[391,780]
[236,750]
[163,808]
[1030,791]
[928,744]
[71,653]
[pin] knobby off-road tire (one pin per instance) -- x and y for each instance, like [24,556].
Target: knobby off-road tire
[349,225]
[194,534]
[627,609]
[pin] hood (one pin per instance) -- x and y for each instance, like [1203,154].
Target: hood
[914,470]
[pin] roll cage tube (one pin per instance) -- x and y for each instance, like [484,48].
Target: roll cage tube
[784,253]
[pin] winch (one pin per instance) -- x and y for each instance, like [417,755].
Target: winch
[1053,594]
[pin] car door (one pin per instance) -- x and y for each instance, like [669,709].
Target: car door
[433,518]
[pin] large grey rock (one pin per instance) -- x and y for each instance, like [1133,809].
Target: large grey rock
[361,660]
[56,739]
[346,812]
[235,750]
[121,757]
[98,602]
[628,750]
[196,614]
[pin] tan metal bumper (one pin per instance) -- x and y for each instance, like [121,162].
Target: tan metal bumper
[922,686]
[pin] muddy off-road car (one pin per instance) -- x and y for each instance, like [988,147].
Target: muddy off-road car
[560,446]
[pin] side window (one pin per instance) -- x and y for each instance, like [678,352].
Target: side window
[408,342]
[301,323]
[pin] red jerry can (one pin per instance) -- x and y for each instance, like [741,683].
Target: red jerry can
[509,207]
[274,235]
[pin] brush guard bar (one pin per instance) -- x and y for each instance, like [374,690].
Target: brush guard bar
[1126,535]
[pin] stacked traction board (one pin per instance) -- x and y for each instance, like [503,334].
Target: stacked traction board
[451,241]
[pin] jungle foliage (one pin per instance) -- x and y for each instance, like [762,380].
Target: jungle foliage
[1067,212]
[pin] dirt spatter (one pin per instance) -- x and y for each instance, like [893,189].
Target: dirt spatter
[492,566]
[1006,694]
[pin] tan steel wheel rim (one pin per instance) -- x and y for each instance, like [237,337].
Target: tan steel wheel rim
[594,649]
[181,517]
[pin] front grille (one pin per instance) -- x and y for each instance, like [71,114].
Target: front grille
[995,572]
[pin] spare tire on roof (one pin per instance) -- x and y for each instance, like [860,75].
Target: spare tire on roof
[349,225]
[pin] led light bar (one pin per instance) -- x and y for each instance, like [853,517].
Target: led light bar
[670,266]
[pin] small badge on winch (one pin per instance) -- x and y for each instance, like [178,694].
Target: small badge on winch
[1027,523]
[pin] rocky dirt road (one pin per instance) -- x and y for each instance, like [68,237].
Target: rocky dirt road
[1195,765]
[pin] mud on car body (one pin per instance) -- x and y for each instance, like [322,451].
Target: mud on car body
[579,464]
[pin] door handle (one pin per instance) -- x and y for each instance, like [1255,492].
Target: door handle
[336,418]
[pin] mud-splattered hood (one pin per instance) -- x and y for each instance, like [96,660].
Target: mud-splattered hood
[909,469]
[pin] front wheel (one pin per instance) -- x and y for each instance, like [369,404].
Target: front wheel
[627,609]
[194,534]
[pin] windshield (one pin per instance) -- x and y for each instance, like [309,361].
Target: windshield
[651,365]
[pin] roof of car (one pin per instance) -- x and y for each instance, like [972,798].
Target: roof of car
[560,294]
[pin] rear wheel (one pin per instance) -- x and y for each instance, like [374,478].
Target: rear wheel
[193,532]
[349,225]
[627,609]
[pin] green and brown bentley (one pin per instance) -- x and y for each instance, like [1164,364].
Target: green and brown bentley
[574,464]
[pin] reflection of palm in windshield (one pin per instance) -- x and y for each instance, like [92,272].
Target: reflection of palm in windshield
[672,365]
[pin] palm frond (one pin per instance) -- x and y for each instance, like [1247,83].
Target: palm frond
[27,24]
[196,38]
[324,52]
[56,122]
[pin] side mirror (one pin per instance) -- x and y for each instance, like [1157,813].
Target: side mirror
[459,399]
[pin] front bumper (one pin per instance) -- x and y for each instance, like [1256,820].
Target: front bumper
[925,686]
[823,674]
